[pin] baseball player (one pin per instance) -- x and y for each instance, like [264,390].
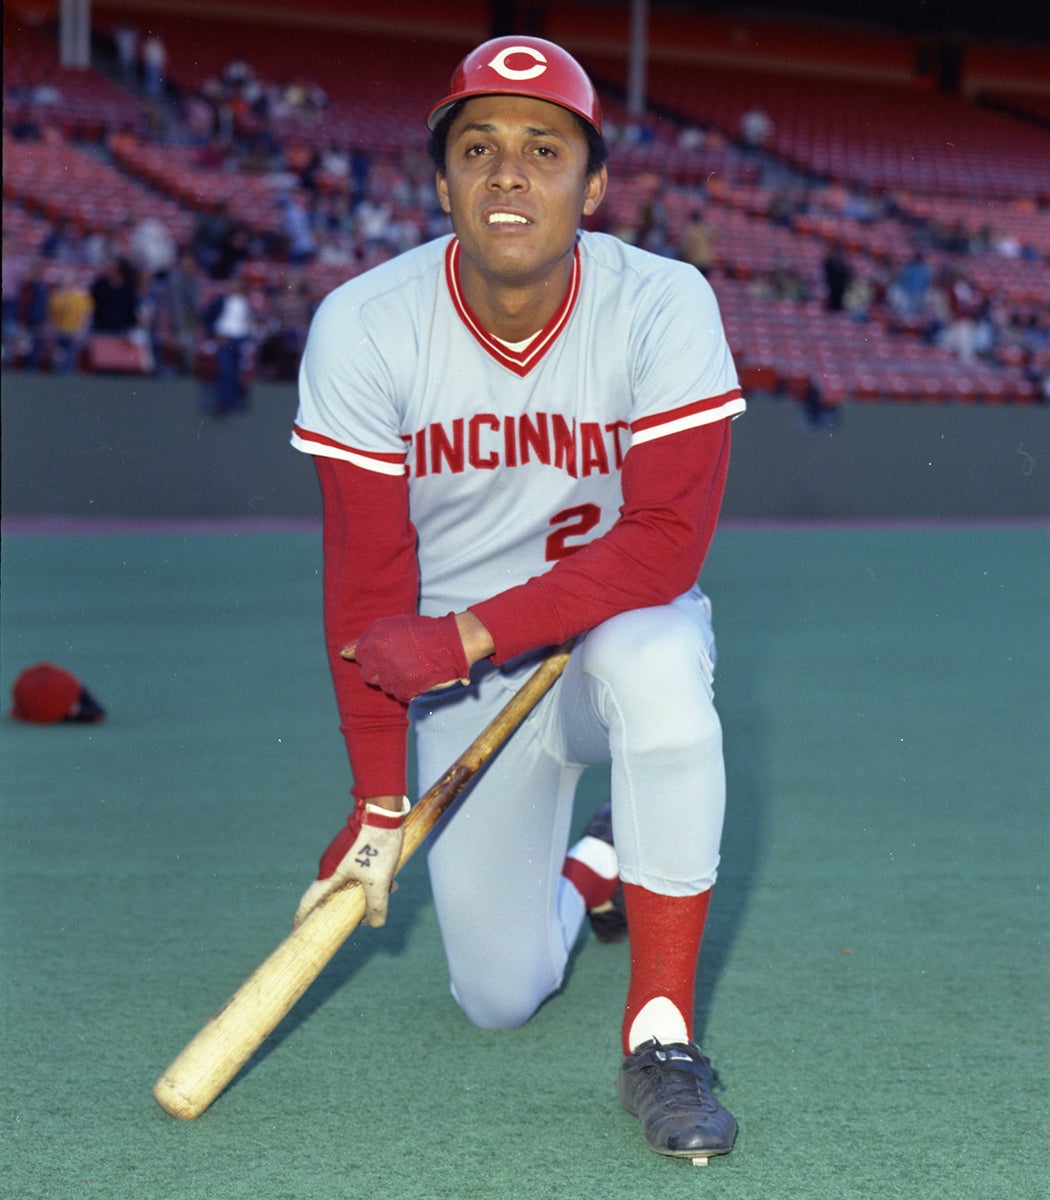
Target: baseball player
[521,433]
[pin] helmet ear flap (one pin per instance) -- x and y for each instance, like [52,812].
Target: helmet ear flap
[523,66]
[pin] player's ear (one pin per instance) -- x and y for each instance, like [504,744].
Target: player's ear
[441,184]
[594,191]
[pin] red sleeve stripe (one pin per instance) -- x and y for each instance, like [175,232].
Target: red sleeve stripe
[326,447]
[689,416]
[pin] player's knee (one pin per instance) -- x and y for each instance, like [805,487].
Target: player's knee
[657,671]
[504,1000]
[648,643]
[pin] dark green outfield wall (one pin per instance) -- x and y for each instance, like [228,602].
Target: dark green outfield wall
[117,447]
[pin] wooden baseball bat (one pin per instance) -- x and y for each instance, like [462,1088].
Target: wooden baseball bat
[208,1063]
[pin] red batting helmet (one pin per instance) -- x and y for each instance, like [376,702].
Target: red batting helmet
[45,694]
[522,66]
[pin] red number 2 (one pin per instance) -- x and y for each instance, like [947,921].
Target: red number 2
[574,522]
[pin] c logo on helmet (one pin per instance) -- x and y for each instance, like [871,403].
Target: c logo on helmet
[499,63]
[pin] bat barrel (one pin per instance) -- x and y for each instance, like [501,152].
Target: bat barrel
[211,1060]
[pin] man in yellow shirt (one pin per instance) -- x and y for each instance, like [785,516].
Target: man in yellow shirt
[69,309]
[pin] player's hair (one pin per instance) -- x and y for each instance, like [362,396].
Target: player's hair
[437,144]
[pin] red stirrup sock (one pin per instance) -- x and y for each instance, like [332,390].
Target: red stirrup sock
[665,933]
[590,867]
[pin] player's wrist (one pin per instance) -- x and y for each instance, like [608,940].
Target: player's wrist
[395,804]
[474,634]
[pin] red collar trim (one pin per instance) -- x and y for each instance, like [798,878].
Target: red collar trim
[520,362]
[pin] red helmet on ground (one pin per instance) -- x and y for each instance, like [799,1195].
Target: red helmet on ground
[522,66]
[45,694]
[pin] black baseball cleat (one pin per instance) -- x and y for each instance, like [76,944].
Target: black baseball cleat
[669,1089]
[608,920]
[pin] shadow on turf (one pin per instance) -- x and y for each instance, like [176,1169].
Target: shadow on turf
[354,956]
[743,837]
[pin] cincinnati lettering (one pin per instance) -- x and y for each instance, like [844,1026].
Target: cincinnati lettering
[486,441]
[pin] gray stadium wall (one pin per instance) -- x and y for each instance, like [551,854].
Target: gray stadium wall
[117,447]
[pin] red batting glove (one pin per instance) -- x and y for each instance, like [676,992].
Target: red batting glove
[367,849]
[407,656]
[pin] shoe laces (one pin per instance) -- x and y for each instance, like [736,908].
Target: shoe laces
[681,1072]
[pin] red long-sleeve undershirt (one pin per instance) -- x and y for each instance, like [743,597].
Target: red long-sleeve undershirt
[672,492]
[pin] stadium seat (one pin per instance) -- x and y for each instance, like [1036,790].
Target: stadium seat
[118,354]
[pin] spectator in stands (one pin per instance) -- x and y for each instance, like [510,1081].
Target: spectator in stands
[335,249]
[115,298]
[756,128]
[654,234]
[23,124]
[332,214]
[1035,331]
[360,169]
[120,238]
[436,223]
[1008,245]
[786,281]
[12,268]
[229,321]
[210,230]
[62,242]
[125,44]
[310,169]
[96,247]
[779,282]
[297,229]
[950,237]
[637,132]
[177,304]
[837,276]
[699,239]
[963,334]
[334,166]
[152,247]
[237,74]
[860,296]
[860,206]
[31,317]
[371,222]
[786,204]
[289,310]
[908,293]
[219,243]
[404,231]
[238,248]
[154,66]
[198,119]
[691,137]
[69,310]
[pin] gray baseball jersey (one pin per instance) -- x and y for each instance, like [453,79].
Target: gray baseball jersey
[513,454]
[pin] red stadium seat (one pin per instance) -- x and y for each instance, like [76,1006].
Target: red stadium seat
[118,354]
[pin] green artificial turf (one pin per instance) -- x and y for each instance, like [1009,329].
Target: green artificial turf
[874,981]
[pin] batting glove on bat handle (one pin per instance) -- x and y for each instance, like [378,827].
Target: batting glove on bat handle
[407,656]
[366,850]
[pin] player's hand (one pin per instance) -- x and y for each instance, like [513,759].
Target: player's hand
[366,849]
[407,656]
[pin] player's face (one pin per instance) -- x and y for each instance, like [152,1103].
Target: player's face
[516,186]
